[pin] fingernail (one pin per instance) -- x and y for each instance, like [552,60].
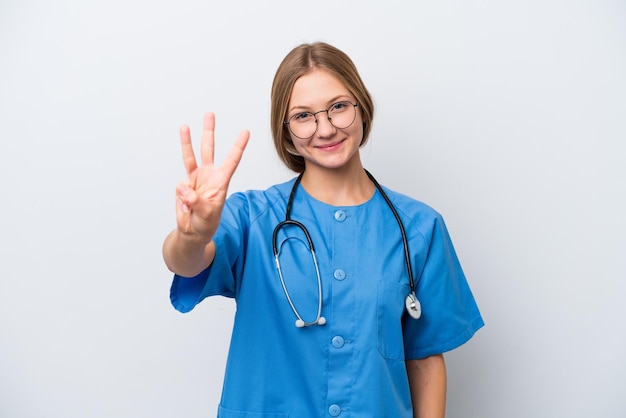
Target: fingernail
[183,191]
[184,207]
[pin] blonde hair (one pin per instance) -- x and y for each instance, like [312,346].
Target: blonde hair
[300,61]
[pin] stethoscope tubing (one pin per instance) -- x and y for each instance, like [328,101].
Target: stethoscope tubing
[300,322]
[412,304]
[405,240]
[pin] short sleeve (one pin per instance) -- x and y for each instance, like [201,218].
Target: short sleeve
[220,278]
[450,315]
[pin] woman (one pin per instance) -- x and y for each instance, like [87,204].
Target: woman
[323,266]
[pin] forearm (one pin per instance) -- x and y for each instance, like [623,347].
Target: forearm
[427,380]
[185,255]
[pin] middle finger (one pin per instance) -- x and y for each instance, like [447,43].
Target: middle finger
[207,149]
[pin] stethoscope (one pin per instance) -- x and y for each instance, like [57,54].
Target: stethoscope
[412,305]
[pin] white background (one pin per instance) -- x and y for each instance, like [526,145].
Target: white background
[507,116]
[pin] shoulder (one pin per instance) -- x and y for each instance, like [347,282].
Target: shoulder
[259,201]
[410,207]
[420,220]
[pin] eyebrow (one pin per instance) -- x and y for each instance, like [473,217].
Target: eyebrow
[330,102]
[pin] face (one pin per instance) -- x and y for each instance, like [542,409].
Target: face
[329,147]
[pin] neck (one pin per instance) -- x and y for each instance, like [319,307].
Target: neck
[345,186]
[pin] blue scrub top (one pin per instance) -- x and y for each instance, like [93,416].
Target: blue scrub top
[354,366]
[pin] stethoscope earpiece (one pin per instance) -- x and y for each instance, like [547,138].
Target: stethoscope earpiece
[319,321]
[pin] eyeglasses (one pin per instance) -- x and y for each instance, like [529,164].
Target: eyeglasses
[303,125]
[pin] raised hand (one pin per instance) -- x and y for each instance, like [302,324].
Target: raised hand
[201,197]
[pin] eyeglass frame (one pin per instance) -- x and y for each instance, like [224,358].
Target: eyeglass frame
[314,114]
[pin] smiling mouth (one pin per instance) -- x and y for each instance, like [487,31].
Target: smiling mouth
[329,146]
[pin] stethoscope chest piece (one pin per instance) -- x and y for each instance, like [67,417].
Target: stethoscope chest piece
[413,306]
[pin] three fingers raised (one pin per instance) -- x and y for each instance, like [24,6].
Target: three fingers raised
[207,150]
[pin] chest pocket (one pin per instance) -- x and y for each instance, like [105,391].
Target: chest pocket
[390,301]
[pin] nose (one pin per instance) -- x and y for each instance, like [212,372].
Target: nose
[325,127]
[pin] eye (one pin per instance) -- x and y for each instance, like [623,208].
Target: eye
[301,117]
[339,107]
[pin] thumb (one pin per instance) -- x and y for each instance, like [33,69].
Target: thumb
[187,197]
